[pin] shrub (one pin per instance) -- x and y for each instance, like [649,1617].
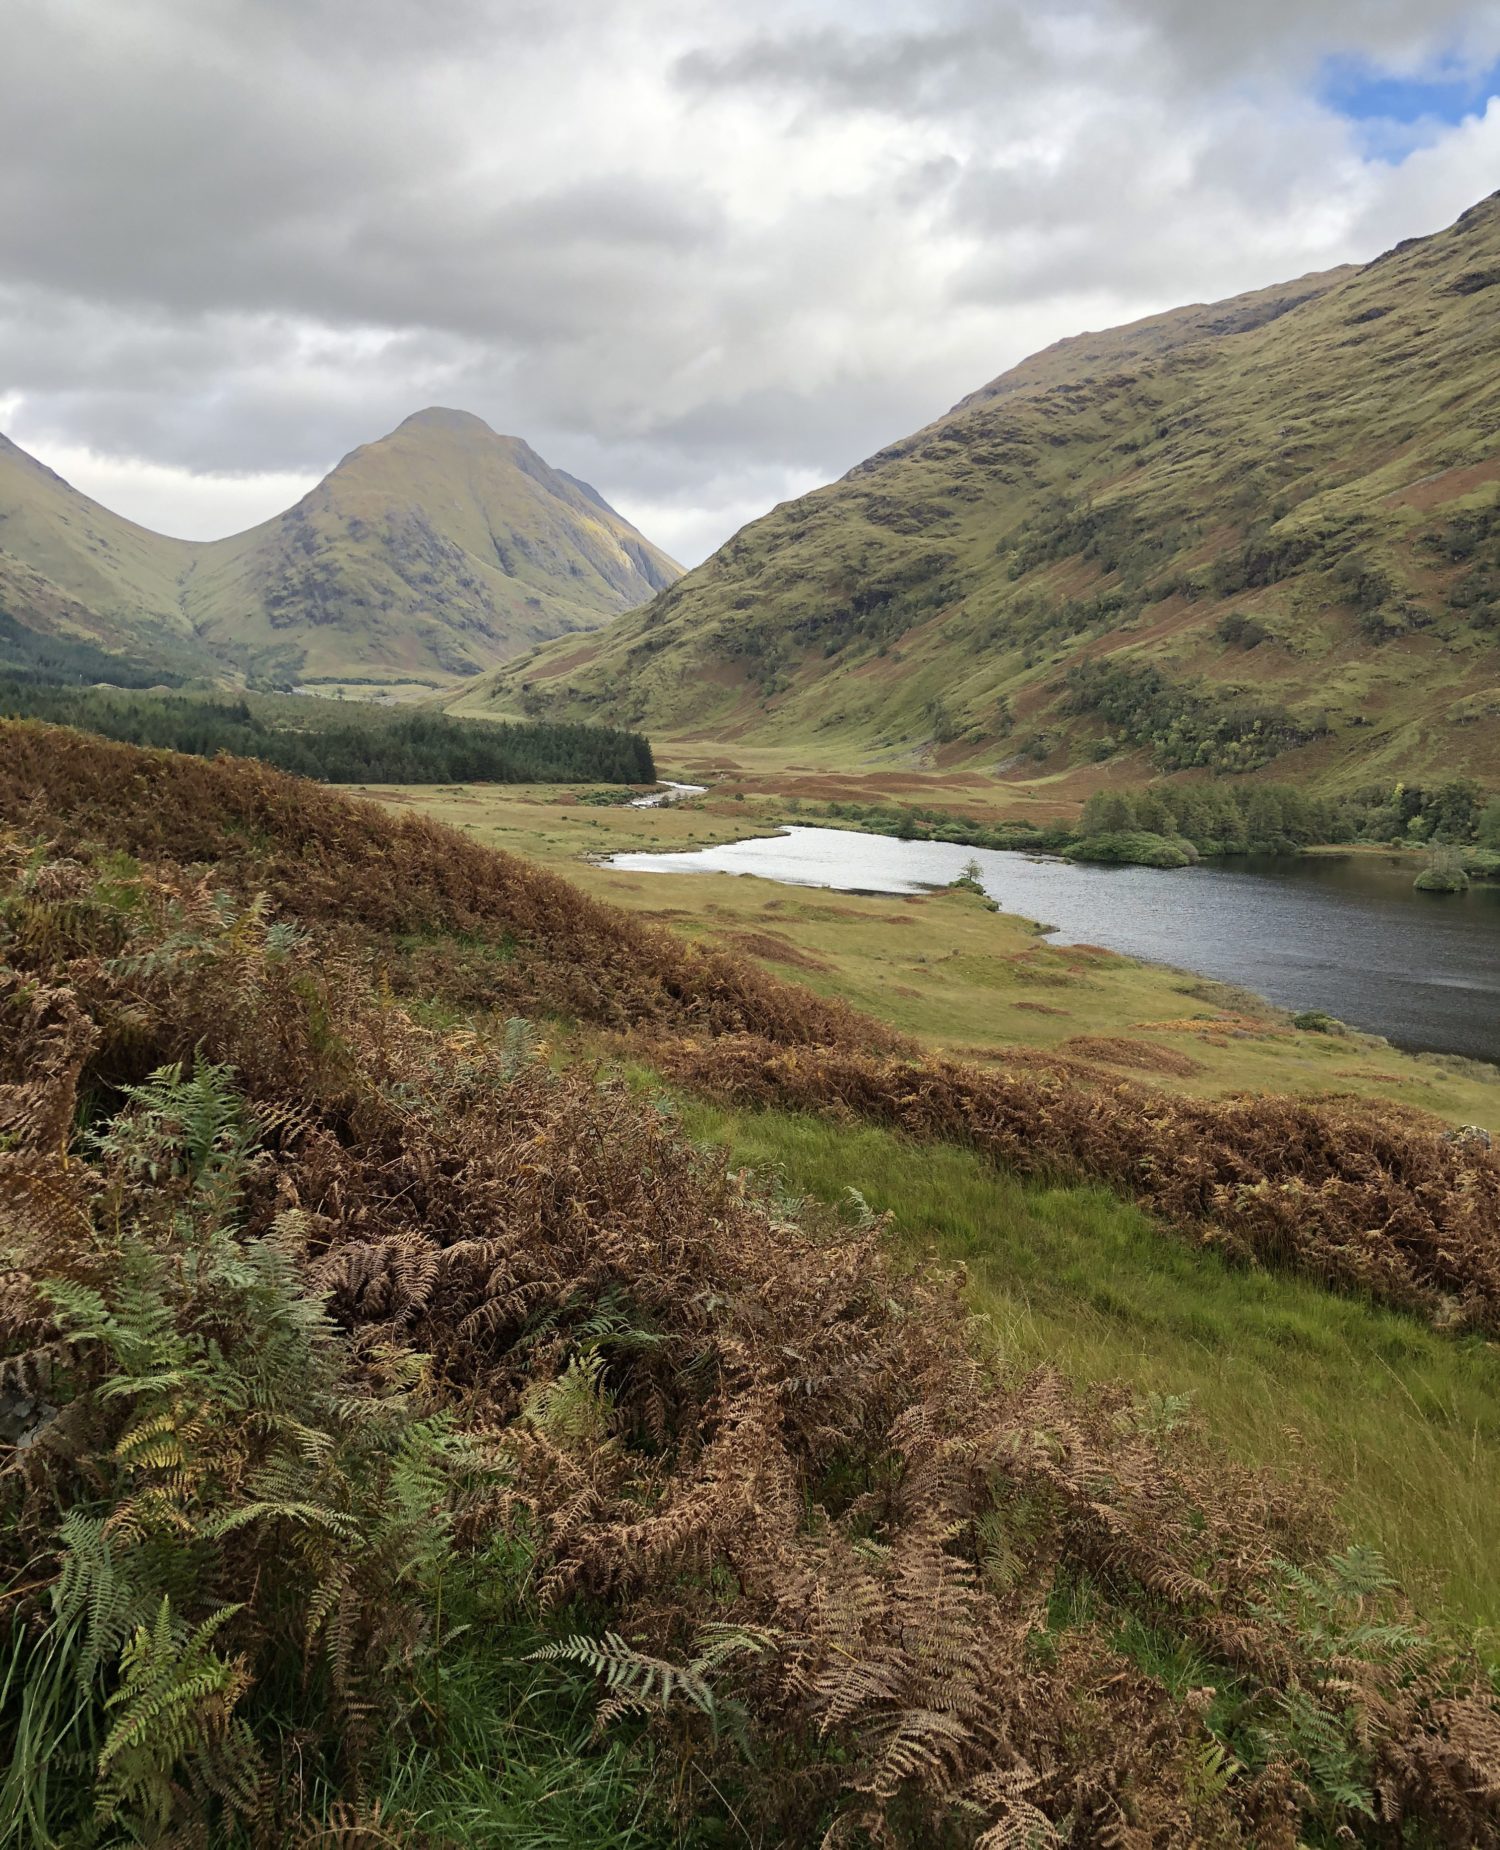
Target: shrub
[1134,847]
[1444,874]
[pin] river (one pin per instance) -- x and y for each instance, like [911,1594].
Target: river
[1343,933]
[667,792]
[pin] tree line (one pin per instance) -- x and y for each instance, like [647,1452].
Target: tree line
[1215,818]
[1277,818]
[337,745]
[29,655]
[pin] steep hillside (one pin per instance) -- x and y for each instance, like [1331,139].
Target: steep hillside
[1265,529]
[443,547]
[438,551]
[71,569]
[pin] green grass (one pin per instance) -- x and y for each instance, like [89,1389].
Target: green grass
[512,1765]
[1404,1424]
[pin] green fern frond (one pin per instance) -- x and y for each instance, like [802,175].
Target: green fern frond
[173,1701]
[574,1409]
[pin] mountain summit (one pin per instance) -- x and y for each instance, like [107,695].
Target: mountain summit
[441,549]
[1261,529]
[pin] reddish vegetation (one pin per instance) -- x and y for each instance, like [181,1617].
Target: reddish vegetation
[708,1415]
[1447,485]
[1368,1197]
[775,950]
[480,926]
[1117,1050]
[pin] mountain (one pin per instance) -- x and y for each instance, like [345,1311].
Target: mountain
[1263,529]
[438,551]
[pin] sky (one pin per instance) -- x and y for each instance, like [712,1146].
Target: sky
[704,255]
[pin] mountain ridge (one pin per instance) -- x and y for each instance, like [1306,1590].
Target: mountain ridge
[1262,529]
[434,551]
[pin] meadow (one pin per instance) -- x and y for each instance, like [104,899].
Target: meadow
[1402,1422]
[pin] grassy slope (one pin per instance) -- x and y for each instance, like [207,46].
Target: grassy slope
[1081,1576]
[1350,418]
[439,550]
[70,567]
[1405,1424]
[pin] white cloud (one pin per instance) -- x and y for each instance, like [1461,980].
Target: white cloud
[700,255]
[188,504]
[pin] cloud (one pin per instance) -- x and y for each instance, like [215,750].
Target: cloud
[703,257]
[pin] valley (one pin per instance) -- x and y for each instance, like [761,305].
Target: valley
[566,1132]
[850,1198]
[1255,537]
[944,966]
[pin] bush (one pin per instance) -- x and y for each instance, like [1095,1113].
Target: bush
[1134,847]
[1444,875]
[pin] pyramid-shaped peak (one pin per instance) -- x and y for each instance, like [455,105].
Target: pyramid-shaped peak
[442,417]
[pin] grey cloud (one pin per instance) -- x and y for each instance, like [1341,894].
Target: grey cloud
[969,55]
[905,71]
[695,260]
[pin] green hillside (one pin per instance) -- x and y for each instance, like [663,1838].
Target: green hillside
[1268,529]
[436,552]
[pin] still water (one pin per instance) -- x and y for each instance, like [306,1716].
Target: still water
[1346,934]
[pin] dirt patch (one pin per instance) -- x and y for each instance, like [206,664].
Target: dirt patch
[1446,485]
[774,949]
[1042,1008]
[1142,1056]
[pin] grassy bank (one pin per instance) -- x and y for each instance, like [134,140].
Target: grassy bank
[1405,1422]
[946,970]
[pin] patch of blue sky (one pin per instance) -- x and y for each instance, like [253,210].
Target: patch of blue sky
[1397,111]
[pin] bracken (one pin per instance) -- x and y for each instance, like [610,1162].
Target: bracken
[812,1519]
